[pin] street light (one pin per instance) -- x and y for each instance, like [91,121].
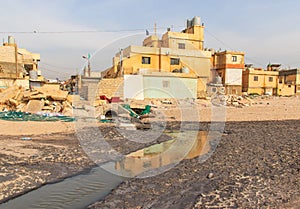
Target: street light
[89,63]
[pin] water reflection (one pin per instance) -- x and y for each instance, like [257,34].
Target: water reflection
[82,190]
[184,145]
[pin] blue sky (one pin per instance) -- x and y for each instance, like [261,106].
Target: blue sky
[267,31]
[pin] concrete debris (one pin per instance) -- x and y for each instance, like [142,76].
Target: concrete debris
[55,94]
[166,102]
[9,93]
[43,99]
[238,101]
[34,106]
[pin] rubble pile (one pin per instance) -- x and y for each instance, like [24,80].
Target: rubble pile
[46,99]
[238,101]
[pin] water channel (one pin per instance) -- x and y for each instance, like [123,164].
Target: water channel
[84,189]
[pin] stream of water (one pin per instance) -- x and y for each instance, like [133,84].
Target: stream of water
[84,189]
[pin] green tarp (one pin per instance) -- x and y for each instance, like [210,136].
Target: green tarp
[133,114]
[22,116]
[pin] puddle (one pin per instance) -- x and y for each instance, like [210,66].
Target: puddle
[160,157]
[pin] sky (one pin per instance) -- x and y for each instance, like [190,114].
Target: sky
[63,31]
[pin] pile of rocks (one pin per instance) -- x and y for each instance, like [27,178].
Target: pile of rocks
[238,101]
[46,99]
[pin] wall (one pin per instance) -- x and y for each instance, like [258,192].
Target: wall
[8,70]
[222,60]
[262,85]
[110,87]
[245,80]
[170,87]
[233,89]
[133,87]
[286,89]
[202,87]
[149,86]
[197,61]
[192,38]
[6,82]
[7,54]
[233,77]
[230,70]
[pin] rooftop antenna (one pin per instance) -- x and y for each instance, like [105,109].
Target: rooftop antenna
[154,28]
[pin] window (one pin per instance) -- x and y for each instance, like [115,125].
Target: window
[214,89]
[146,60]
[28,67]
[181,46]
[234,58]
[174,61]
[166,84]
[289,86]
[255,78]
[270,79]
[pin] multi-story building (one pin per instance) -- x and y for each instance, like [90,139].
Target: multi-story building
[176,56]
[289,82]
[229,66]
[17,65]
[260,81]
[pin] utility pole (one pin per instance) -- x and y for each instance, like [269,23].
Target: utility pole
[121,62]
[89,63]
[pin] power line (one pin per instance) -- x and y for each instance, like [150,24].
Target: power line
[82,31]
[55,71]
[227,46]
[222,42]
[56,66]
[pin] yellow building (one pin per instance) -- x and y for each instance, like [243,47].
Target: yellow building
[229,66]
[180,53]
[289,82]
[17,65]
[260,81]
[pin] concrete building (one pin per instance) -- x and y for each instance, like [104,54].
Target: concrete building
[229,66]
[259,81]
[178,53]
[17,65]
[289,82]
[160,85]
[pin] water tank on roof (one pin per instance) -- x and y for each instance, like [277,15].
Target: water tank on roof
[11,40]
[196,21]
